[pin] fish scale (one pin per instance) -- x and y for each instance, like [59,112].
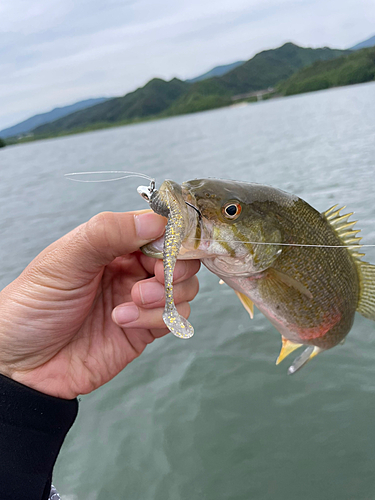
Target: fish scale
[337,286]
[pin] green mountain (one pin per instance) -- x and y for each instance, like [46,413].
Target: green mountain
[357,67]
[201,96]
[270,66]
[150,100]
[264,70]
[160,98]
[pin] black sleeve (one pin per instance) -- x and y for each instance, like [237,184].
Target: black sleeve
[32,429]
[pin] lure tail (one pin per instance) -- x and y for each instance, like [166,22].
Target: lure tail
[166,205]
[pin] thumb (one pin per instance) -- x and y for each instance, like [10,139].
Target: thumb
[109,235]
[98,242]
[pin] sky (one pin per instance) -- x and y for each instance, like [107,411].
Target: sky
[57,52]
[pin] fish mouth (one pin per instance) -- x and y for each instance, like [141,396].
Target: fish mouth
[193,223]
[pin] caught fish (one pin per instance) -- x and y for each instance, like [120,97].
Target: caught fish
[302,269]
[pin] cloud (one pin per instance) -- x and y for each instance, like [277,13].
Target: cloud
[55,52]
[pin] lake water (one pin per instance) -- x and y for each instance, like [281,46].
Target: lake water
[213,417]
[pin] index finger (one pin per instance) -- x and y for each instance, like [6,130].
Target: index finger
[184,269]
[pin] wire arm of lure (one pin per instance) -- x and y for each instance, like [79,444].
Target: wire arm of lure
[307,245]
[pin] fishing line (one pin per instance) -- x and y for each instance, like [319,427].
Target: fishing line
[358,247]
[144,176]
[129,174]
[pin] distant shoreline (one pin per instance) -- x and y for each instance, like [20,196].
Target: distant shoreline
[104,126]
[281,72]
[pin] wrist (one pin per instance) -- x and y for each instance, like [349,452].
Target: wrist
[6,371]
[46,384]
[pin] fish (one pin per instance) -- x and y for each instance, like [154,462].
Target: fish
[301,268]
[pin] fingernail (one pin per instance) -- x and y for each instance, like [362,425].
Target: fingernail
[126,314]
[151,292]
[149,226]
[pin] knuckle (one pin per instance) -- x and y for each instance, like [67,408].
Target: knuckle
[99,223]
[100,231]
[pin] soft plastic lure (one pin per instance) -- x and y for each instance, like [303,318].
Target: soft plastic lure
[163,204]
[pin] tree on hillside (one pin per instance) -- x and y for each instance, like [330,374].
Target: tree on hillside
[2,143]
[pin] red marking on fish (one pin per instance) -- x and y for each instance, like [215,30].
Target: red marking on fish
[330,320]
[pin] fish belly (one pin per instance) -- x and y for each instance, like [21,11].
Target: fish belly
[298,318]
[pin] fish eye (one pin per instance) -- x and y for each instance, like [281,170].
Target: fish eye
[232,210]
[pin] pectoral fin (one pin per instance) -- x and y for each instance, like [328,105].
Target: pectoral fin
[284,280]
[247,303]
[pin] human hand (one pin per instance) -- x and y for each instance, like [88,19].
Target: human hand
[88,305]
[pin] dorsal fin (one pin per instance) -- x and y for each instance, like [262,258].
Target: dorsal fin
[366,271]
[344,230]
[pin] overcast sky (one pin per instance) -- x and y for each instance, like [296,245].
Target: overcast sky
[57,52]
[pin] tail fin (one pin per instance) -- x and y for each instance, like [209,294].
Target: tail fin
[366,303]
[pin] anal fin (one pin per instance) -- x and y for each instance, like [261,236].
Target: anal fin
[247,303]
[287,348]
